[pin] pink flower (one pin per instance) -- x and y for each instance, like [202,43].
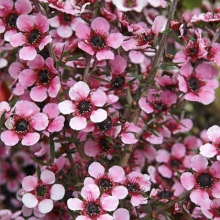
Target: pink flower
[9,13]
[98,40]
[65,24]
[23,124]
[194,51]
[92,206]
[127,133]
[197,84]
[126,5]
[43,76]
[207,17]
[137,183]
[41,192]
[84,106]
[56,121]
[11,175]
[204,180]
[107,182]
[33,35]
[212,149]
[157,101]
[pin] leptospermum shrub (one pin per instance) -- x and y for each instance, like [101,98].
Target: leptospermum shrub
[96,110]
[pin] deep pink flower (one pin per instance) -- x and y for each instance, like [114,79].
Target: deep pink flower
[97,40]
[84,105]
[127,133]
[9,13]
[206,17]
[118,79]
[145,36]
[212,149]
[65,24]
[198,84]
[11,176]
[157,101]
[41,192]
[93,207]
[107,182]
[42,76]
[33,35]
[193,51]
[204,180]
[137,183]
[23,124]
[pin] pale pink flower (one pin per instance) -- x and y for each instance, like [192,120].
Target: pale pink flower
[42,192]
[23,125]
[107,182]
[56,121]
[97,40]
[84,105]
[9,13]
[137,183]
[206,17]
[204,181]
[93,206]
[133,5]
[33,35]
[198,85]
[43,77]
[210,150]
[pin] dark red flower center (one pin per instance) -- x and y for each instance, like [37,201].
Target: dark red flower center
[67,18]
[44,76]
[160,106]
[41,191]
[104,184]
[204,180]
[11,20]
[133,187]
[93,209]
[34,36]
[97,42]
[105,125]
[165,194]
[21,126]
[11,173]
[84,107]
[104,144]
[117,82]
[193,84]
[174,163]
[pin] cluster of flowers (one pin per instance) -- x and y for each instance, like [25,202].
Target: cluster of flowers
[92,118]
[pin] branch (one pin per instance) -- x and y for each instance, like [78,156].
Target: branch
[128,148]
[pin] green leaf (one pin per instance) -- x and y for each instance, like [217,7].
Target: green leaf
[74,57]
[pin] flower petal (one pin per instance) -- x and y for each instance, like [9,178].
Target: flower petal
[29,200]
[75,204]
[30,139]
[78,123]
[48,177]
[96,169]
[45,206]
[109,203]
[57,192]
[98,115]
